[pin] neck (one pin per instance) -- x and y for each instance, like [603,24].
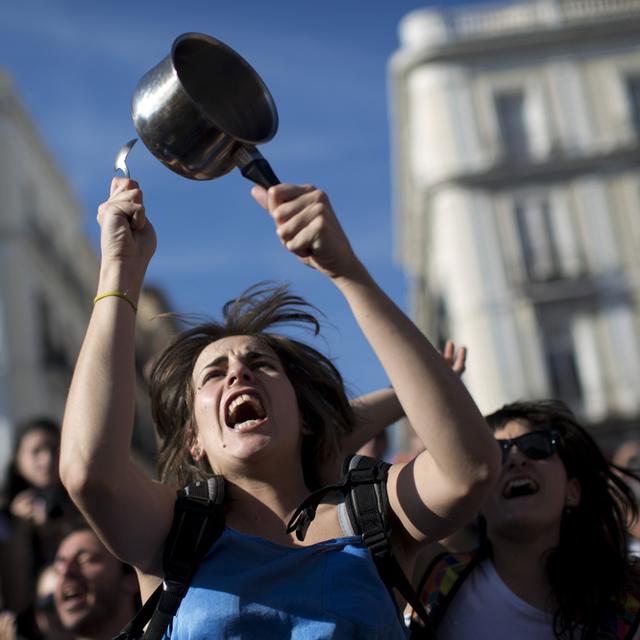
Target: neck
[520,563]
[263,507]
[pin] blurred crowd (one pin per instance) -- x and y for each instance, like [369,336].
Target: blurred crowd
[57,580]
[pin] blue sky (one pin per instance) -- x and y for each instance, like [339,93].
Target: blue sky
[75,65]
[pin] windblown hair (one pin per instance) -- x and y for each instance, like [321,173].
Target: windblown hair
[324,407]
[590,567]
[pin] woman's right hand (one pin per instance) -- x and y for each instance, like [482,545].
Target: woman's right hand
[127,237]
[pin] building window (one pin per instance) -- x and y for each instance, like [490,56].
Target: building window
[561,357]
[563,370]
[539,247]
[510,112]
[53,352]
[442,330]
[633,89]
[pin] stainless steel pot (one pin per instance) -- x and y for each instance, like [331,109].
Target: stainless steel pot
[202,110]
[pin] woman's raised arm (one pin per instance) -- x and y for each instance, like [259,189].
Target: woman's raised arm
[131,512]
[379,409]
[443,487]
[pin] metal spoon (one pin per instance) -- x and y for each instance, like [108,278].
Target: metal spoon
[121,158]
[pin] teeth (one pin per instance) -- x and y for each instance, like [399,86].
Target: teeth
[520,487]
[236,403]
[70,593]
[247,424]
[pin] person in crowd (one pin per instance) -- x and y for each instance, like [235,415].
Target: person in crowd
[33,496]
[32,489]
[268,413]
[627,457]
[16,562]
[46,616]
[39,620]
[35,509]
[94,594]
[552,561]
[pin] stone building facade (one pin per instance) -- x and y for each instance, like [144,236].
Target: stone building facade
[516,134]
[48,276]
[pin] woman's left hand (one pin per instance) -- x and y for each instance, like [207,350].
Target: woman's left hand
[308,227]
[29,506]
[457,360]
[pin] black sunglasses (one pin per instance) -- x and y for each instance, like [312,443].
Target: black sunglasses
[536,445]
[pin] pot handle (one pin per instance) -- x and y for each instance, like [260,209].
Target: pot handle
[254,167]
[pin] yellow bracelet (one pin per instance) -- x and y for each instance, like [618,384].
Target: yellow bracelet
[117,294]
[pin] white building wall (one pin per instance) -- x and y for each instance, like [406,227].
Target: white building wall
[460,188]
[44,258]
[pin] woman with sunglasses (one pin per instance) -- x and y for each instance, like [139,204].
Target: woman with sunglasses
[552,560]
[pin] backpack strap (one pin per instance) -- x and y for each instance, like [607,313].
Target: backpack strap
[367,506]
[198,520]
[442,579]
[364,486]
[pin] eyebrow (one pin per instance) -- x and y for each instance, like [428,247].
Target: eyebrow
[248,357]
[75,555]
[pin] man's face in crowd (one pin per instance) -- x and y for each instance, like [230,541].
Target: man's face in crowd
[91,583]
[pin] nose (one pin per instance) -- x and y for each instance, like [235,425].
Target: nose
[514,458]
[65,567]
[46,459]
[238,372]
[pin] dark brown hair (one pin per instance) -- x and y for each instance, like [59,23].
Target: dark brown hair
[322,400]
[14,481]
[590,568]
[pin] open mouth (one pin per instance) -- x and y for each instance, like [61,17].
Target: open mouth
[244,412]
[72,596]
[520,487]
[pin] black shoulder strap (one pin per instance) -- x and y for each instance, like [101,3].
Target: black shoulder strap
[367,501]
[198,520]
[368,510]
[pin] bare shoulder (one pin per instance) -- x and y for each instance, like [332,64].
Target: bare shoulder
[148,584]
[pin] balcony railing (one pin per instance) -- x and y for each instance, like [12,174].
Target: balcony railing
[466,23]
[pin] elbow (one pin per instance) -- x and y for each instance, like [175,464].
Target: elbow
[486,479]
[77,479]
[74,478]
[483,476]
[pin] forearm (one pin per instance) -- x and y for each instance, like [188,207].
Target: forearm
[434,399]
[374,411]
[100,409]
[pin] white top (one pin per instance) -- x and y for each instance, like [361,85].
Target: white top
[485,608]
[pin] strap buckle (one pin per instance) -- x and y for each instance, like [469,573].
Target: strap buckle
[174,587]
[377,542]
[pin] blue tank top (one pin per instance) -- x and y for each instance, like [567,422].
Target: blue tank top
[247,587]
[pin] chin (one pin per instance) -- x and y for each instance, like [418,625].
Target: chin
[250,451]
[523,524]
[76,624]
